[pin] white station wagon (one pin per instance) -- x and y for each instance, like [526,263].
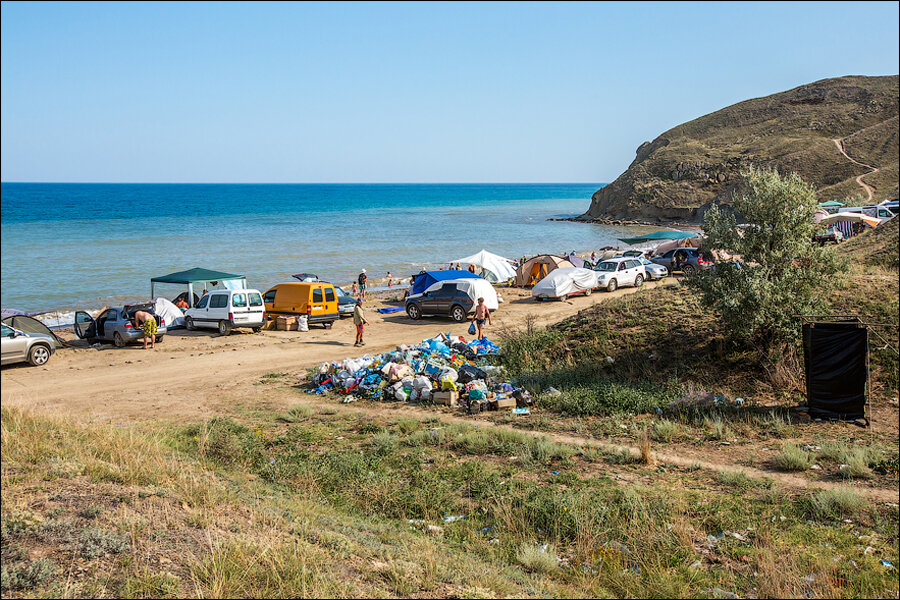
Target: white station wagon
[226,309]
[616,272]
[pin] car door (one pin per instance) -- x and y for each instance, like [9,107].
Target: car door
[13,345]
[106,323]
[665,260]
[623,274]
[239,308]
[85,327]
[255,308]
[444,297]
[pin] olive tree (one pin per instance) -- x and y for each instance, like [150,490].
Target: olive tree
[781,273]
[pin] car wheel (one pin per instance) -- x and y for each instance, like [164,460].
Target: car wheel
[588,292]
[413,311]
[257,329]
[224,327]
[458,313]
[159,339]
[189,323]
[639,281]
[118,341]
[38,355]
[688,270]
[612,285]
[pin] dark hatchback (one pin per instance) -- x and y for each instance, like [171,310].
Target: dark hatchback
[447,300]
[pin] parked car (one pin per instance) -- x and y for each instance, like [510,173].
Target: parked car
[453,298]
[226,309]
[613,273]
[116,325]
[693,260]
[306,277]
[654,271]
[19,346]
[832,234]
[346,302]
[316,301]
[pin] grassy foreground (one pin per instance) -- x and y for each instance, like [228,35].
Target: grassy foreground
[325,502]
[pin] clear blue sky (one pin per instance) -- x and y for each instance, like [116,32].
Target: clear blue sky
[181,92]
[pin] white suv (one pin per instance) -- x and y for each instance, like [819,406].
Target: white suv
[616,272]
[226,309]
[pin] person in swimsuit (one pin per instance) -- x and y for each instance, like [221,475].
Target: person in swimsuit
[147,323]
[482,314]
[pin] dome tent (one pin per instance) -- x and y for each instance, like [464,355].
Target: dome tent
[495,267]
[535,269]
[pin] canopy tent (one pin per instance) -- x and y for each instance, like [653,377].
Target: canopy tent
[850,217]
[495,267]
[564,281]
[830,204]
[422,281]
[27,324]
[535,269]
[198,275]
[658,236]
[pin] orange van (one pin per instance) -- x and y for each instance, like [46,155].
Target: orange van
[318,301]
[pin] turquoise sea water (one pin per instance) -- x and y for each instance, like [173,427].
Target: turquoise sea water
[68,246]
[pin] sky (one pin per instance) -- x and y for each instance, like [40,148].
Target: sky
[405,92]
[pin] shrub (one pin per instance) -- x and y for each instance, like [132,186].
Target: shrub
[297,413]
[836,504]
[792,458]
[537,559]
[665,430]
[94,542]
[783,274]
[26,575]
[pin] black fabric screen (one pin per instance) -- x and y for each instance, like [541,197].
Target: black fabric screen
[836,368]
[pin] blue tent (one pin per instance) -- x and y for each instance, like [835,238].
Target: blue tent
[660,235]
[422,281]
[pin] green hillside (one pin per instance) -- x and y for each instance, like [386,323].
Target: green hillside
[680,173]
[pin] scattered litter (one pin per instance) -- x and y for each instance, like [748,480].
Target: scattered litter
[809,578]
[610,359]
[695,565]
[453,518]
[434,530]
[888,565]
[416,521]
[869,550]
[486,530]
[554,472]
[720,593]
[552,392]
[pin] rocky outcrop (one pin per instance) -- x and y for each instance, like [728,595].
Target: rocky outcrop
[677,176]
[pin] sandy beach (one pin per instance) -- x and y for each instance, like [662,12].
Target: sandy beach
[194,374]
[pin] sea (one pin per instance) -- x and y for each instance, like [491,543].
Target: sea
[83,246]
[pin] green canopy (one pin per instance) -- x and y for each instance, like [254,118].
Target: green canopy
[831,204]
[192,276]
[660,235]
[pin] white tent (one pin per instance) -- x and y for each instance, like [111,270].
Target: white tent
[565,281]
[474,288]
[496,268]
[170,313]
[849,216]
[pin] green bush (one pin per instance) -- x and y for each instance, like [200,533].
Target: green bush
[22,576]
[793,458]
[95,542]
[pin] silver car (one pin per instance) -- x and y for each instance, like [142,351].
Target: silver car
[18,346]
[116,325]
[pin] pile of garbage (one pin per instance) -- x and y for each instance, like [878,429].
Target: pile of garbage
[445,369]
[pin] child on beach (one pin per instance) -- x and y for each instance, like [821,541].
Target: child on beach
[362,283]
[354,289]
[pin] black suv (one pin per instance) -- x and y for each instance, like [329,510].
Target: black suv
[446,300]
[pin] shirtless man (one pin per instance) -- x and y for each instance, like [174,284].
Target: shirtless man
[147,323]
[482,314]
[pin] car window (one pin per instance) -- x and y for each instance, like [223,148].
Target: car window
[329,295]
[255,299]
[607,266]
[239,300]
[668,254]
[109,315]
[203,302]
[269,296]
[5,331]
[218,301]
[318,296]
[621,266]
[340,291]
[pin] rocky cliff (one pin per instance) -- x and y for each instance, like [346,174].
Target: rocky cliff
[839,134]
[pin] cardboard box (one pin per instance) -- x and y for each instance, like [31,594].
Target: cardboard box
[449,397]
[286,323]
[505,403]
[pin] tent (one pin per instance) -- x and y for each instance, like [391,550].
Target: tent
[659,236]
[495,267]
[198,275]
[535,269]
[576,260]
[850,217]
[28,324]
[422,281]
[474,288]
[169,312]
[693,242]
[565,281]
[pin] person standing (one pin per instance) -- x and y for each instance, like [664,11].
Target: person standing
[360,321]
[147,323]
[362,279]
[482,314]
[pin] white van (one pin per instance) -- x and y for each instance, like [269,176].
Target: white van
[226,309]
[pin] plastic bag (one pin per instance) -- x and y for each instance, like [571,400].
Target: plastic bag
[472,329]
[469,373]
[302,324]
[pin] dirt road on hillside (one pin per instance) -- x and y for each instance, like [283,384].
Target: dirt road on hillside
[191,373]
[840,146]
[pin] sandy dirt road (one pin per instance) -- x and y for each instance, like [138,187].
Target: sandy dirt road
[194,375]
